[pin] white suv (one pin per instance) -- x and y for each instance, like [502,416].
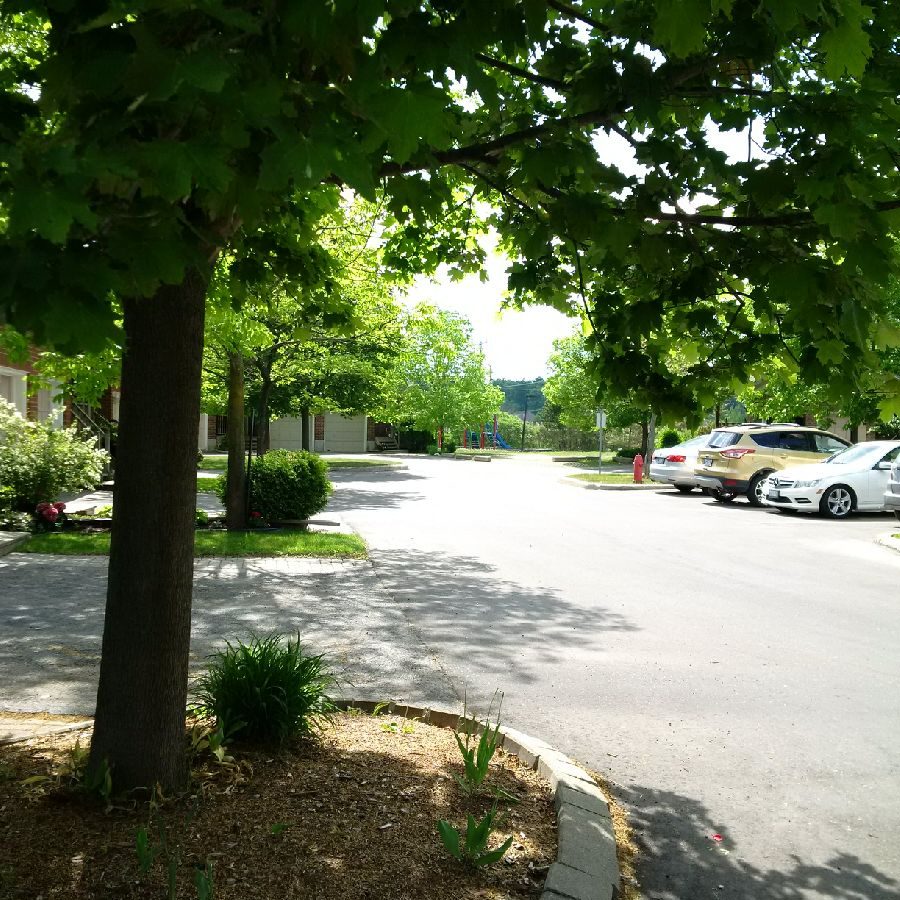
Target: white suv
[892,494]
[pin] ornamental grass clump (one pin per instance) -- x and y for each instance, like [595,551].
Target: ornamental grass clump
[266,690]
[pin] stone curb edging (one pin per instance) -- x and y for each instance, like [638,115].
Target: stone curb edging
[595,486]
[586,866]
[11,540]
[888,540]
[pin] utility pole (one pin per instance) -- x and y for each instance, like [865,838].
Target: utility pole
[524,420]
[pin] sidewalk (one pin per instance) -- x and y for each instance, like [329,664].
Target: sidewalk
[51,621]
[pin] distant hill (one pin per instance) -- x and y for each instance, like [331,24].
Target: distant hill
[516,392]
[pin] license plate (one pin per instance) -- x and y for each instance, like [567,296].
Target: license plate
[773,495]
[659,459]
[707,460]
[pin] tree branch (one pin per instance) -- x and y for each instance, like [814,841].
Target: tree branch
[518,72]
[574,13]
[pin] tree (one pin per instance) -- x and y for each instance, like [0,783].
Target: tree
[572,389]
[139,140]
[438,380]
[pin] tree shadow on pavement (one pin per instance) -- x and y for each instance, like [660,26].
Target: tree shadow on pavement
[475,621]
[686,855]
[346,497]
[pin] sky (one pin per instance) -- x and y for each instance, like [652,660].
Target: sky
[517,343]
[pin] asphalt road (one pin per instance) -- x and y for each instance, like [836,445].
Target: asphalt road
[734,672]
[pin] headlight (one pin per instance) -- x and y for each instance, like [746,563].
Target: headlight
[808,484]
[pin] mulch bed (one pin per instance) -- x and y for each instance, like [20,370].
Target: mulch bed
[349,815]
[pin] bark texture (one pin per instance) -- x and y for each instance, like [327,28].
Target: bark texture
[235,487]
[305,439]
[139,726]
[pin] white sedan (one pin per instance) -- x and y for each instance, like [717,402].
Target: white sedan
[851,480]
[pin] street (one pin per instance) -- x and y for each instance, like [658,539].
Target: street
[732,671]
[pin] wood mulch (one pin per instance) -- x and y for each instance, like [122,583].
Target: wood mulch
[348,815]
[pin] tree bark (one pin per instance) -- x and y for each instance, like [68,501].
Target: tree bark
[305,442]
[651,441]
[235,486]
[141,698]
[645,434]
[854,434]
[262,424]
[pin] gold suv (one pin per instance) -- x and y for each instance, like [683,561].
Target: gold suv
[739,458]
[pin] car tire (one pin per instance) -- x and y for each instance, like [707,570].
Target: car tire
[721,496]
[754,490]
[683,488]
[837,502]
[897,514]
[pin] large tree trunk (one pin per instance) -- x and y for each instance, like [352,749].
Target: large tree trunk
[651,443]
[645,433]
[235,487]
[139,727]
[305,441]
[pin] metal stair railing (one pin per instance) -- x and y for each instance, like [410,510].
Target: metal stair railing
[88,419]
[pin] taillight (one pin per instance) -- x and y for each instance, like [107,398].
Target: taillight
[676,458]
[736,453]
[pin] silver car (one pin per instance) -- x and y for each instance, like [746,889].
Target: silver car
[892,494]
[675,465]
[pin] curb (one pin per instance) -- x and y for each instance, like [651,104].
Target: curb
[594,486]
[888,540]
[10,540]
[586,866]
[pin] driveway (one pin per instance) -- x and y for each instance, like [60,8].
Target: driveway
[733,671]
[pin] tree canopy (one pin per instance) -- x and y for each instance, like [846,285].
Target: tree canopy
[142,139]
[438,379]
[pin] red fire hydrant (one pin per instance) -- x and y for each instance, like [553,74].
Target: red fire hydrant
[638,468]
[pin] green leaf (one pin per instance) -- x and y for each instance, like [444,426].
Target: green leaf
[450,838]
[492,856]
[830,351]
[407,117]
[847,47]
[681,25]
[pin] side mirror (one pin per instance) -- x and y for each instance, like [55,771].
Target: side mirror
[882,466]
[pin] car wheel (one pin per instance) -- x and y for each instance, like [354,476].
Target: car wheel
[721,496]
[707,491]
[837,502]
[683,488]
[897,514]
[755,489]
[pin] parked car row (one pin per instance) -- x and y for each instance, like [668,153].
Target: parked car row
[785,466]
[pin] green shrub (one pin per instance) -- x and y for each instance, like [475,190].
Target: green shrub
[202,518]
[289,484]
[38,462]
[431,449]
[266,690]
[629,452]
[670,438]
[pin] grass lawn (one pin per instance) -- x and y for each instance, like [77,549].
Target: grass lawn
[207,485]
[606,478]
[215,543]
[214,463]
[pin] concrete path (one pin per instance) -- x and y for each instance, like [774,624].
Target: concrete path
[51,622]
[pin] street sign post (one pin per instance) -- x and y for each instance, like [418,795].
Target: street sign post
[601,424]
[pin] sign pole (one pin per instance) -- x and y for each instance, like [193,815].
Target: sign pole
[601,422]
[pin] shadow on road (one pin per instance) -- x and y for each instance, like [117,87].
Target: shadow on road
[682,859]
[487,624]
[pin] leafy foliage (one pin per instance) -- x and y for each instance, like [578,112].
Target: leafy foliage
[438,379]
[471,847]
[289,484]
[38,462]
[266,690]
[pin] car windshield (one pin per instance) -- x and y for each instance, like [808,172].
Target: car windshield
[723,438]
[856,454]
[700,441]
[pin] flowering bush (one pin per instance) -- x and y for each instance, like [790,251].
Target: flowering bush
[38,461]
[49,516]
